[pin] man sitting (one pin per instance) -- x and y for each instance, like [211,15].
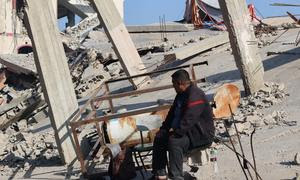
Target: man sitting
[189,124]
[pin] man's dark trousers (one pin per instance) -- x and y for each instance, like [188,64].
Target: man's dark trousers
[177,147]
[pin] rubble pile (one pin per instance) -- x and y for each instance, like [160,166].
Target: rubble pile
[288,25]
[248,115]
[20,150]
[89,72]
[79,32]
[263,29]
[17,102]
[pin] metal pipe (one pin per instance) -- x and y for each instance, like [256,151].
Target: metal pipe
[279,36]
[111,105]
[252,152]
[238,154]
[142,91]
[239,140]
[119,115]
[78,151]
[234,150]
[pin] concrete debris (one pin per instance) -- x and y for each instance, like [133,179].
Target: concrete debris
[196,48]
[89,73]
[79,32]
[98,36]
[19,63]
[22,125]
[247,116]
[114,69]
[269,95]
[288,25]
[264,29]
[23,150]
[18,104]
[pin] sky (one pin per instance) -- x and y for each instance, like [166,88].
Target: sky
[140,12]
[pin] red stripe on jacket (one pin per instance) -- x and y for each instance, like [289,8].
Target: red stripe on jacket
[194,103]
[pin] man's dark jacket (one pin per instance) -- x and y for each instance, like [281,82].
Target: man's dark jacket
[196,119]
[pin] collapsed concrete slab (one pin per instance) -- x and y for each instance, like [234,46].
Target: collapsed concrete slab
[79,7]
[196,48]
[19,63]
[158,28]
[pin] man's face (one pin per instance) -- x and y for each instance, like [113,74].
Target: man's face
[179,86]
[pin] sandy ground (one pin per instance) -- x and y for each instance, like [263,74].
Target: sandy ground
[274,146]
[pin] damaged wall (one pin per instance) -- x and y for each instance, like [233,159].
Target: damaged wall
[12,36]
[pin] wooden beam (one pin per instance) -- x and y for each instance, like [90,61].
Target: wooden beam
[196,48]
[117,33]
[243,43]
[52,67]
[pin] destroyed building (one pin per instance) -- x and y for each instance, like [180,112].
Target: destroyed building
[69,100]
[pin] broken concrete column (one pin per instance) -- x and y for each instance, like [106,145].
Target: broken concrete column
[55,8]
[78,7]
[54,73]
[120,6]
[243,43]
[117,33]
[71,19]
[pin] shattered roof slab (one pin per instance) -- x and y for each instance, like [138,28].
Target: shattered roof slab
[19,63]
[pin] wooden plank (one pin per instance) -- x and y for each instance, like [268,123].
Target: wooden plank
[196,48]
[52,67]
[157,28]
[117,33]
[241,35]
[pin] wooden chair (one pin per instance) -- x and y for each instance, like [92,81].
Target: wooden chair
[142,150]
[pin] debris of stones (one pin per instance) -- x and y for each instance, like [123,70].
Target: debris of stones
[248,117]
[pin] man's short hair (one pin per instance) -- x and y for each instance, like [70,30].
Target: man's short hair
[181,75]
